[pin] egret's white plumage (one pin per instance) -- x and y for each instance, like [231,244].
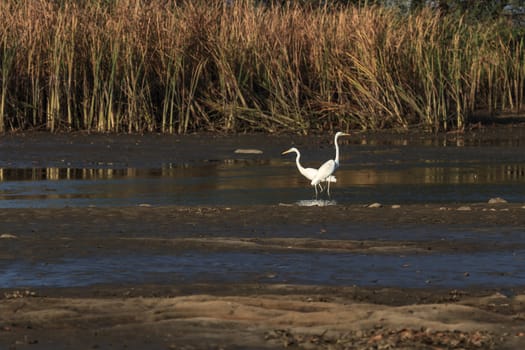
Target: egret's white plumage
[327,169]
[309,173]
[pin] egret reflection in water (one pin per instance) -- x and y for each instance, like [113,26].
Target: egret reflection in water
[315,203]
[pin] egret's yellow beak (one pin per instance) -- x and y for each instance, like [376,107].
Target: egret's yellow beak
[286,152]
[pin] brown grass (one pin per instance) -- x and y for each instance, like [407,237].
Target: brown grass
[178,67]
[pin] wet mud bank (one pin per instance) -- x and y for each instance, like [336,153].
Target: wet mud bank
[275,227]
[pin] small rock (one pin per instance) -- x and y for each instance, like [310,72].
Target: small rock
[144,205]
[464,208]
[375,205]
[497,200]
[8,236]
[248,151]
[396,206]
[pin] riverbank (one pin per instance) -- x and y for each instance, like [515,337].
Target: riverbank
[339,276]
[254,313]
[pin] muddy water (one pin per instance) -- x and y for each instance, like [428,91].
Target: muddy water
[380,174]
[393,171]
[250,182]
[487,269]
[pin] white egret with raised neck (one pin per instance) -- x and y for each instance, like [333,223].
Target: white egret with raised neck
[327,169]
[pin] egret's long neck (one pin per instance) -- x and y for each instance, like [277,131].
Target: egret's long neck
[336,152]
[299,166]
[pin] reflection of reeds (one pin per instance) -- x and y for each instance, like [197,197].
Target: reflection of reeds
[178,67]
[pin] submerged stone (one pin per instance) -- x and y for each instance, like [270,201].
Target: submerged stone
[248,151]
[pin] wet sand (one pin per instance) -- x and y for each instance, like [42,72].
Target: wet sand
[246,314]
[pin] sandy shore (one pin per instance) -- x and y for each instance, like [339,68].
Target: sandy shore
[263,317]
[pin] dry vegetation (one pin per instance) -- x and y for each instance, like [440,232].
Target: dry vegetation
[177,67]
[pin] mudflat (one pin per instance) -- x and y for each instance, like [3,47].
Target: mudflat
[253,312]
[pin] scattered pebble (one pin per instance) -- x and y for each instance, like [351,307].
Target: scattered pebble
[19,294]
[381,338]
[7,236]
[248,151]
[464,208]
[497,200]
[145,205]
[396,206]
[375,205]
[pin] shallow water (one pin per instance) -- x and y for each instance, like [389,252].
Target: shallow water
[252,182]
[493,269]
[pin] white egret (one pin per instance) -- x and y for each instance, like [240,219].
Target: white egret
[309,173]
[327,169]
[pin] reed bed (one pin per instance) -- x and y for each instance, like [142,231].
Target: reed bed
[179,67]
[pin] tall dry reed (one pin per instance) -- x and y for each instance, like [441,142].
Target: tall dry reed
[179,67]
